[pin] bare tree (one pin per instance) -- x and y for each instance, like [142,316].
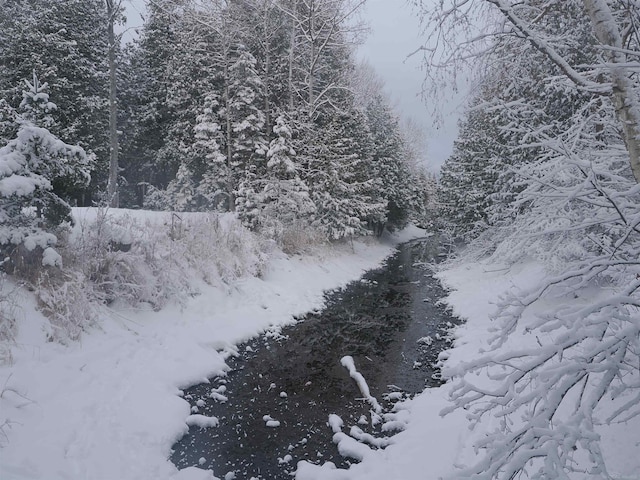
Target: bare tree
[319,28]
[461,31]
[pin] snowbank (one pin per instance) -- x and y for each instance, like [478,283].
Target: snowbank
[109,407]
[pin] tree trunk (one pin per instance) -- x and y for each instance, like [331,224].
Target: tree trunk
[227,103]
[312,59]
[292,48]
[112,185]
[625,101]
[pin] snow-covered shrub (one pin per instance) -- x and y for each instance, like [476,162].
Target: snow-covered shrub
[132,258]
[121,259]
[295,237]
[153,258]
[218,246]
[66,299]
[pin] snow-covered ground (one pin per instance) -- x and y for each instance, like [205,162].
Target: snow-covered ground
[109,407]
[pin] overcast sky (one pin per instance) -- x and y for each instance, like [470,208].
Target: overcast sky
[394,33]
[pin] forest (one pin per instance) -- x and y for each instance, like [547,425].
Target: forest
[229,134]
[546,170]
[257,107]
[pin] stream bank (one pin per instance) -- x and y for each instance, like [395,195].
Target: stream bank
[271,408]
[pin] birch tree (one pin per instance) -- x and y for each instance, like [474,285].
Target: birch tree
[321,31]
[614,26]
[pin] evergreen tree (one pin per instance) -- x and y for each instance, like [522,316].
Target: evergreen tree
[346,196]
[210,163]
[284,199]
[145,92]
[468,177]
[248,143]
[30,165]
[66,43]
[388,164]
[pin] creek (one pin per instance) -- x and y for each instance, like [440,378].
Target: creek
[274,402]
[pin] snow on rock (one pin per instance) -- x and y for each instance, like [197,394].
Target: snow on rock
[194,473]
[217,394]
[349,364]
[347,446]
[202,421]
[270,422]
[362,437]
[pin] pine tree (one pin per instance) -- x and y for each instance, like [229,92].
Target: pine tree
[284,199]
[30,165]
[248,143]
[66,43]
[210,163]
[148,118]
[388,163]
[468,177]
[339,171]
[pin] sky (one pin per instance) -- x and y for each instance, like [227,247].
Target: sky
[394,34]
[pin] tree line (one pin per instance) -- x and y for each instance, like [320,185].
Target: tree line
[252,106]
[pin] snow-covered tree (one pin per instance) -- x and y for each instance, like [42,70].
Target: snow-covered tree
[66,43]
[147,115]
[347,198]
[30,165]
[284,198]
[388,163]
[248,145]
[214,174]
[468,177]
[571,202]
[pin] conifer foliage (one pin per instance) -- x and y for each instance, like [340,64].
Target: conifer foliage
[31,165]
[244,108]
[222,106]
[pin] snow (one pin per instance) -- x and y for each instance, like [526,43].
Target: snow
[270,422]
[202,421]
[109,406]
[51,258]
[434,446]
[348,363]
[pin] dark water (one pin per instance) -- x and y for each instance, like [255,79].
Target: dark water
[389,322]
